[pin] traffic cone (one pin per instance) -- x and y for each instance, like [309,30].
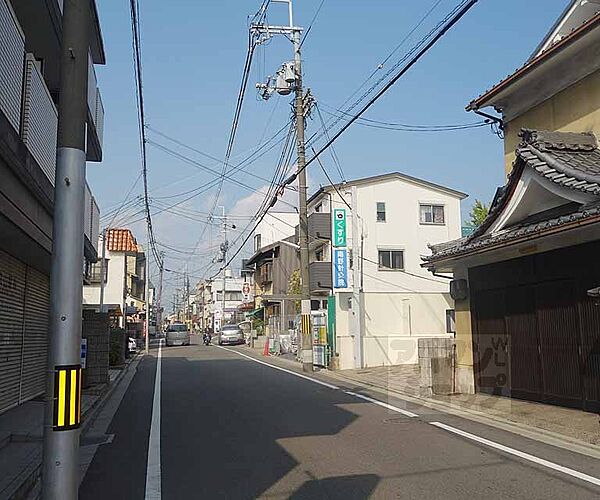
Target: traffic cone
[266,349]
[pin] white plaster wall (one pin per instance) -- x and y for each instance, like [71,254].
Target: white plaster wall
[275,227]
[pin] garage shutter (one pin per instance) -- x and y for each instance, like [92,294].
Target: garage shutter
[37,303]
[12,308]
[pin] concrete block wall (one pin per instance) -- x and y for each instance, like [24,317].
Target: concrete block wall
[435,363]
[96,329]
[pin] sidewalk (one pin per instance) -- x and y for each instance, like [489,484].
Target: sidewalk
[555,424]
[21,437]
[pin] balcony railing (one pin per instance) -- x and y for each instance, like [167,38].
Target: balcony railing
[40,119]
[12,58]
[91,219]
[95,116]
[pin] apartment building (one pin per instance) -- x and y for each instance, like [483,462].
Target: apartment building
[30,38]
[366,239]
[124,279]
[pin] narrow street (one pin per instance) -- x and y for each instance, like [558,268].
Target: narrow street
[231,427]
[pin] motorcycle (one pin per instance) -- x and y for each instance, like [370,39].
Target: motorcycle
[206,338]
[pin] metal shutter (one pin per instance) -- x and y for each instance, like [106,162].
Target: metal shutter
[12,308]
[35,345]
[12,55]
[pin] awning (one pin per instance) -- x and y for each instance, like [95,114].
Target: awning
[256,314]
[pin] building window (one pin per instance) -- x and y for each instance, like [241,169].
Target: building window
[391,260]
[95,271]
[380,211]
[257,242]
[450,321]
[233,296]
[431,214]
[319,254]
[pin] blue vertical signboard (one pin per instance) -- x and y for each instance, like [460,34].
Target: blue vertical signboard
[340,268]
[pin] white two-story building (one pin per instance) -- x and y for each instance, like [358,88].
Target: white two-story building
[366,240]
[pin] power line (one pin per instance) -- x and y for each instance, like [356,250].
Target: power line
[311,23]
[135,27]
[434,36]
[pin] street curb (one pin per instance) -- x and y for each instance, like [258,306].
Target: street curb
[30,488]
[527,431]
[88,417]
[534,433]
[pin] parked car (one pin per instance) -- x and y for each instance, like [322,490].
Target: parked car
[178,334]
[231,334]
[131,345]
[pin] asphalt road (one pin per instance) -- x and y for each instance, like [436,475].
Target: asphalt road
[233,428]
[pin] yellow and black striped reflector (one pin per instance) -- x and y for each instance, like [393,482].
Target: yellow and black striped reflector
[67,397]
[306,324]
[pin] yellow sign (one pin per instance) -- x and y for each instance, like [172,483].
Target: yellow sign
[67,398]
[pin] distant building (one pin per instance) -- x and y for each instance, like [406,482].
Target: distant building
[125,278]
[275,226]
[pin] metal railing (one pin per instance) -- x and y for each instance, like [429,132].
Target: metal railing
[39,124]
[12,59]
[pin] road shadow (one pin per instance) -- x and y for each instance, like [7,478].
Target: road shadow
[222,420]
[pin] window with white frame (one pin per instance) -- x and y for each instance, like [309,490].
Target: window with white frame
[380,211]
[257,242]
[391,260]
[431,214]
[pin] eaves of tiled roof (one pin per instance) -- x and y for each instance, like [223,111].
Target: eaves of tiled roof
[121,240]
[480,102]
[570,160]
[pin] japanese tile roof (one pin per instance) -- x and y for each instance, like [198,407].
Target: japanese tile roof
[570,160]
[482,100]
[121,240]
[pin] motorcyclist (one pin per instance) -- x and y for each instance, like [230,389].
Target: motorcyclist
[206,337]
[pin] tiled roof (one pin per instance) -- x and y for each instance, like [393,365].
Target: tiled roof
[512,234]
[568,159]
[121,240]
[480,101]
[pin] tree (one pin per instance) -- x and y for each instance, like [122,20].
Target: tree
[295,288]
[478,213]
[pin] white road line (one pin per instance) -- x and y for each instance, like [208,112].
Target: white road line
[520,454]
[385,405]
[153,472]
[310,379]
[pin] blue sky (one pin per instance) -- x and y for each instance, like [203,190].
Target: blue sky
[193,53]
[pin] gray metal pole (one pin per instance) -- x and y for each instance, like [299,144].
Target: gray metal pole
[103,269]
[307,353]
[60,472]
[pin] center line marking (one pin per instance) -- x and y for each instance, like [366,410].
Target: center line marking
[520,454]
[381,403]
[153,469]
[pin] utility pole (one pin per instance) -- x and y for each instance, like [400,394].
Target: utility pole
[224,248]
[103,269]
[307,352]
[358,310]
[159,296]
[60,472]
[147,297]
[283,83]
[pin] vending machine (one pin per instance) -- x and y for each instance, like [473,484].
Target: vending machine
[319,337]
